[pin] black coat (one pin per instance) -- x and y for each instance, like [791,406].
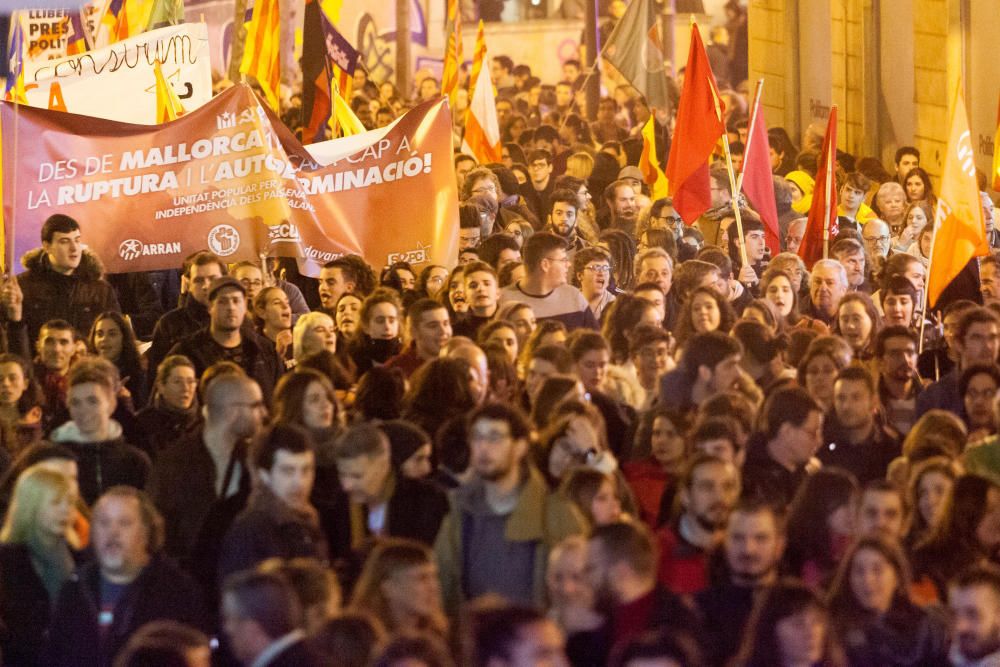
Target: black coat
[77,298]
[158,427]
[415,511]
[260,358]
[268,528]
[106,464]
[183,487]
[172,328]
[297,655]
[25,608]
[162,591]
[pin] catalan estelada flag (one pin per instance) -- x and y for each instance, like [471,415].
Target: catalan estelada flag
[14,90]
[261,51]
[453,52]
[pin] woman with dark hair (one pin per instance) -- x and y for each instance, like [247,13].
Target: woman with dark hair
[306,398]
[658,238]
[624,315]
[858,322]
[705,310]
[439,390]
[410,448]
[917,184]
[593,493]
[790,627]
[20,407]
[432,281]
[111,337]
[379,395]
[452,297]
[783,151]
[553,390]
[504,385]
[928,494]
[969,532]
[172,414]
[778,287]
[821,525]
[512,131]
[378,339]
[656,460]
[825,357]
[605,172]
[978,386]
[873,613]
[546,332]
[514,151]
[400,276]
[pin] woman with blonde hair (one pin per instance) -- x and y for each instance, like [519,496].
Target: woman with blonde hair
[36,559]
[580,165]
[936,433]
[399,586]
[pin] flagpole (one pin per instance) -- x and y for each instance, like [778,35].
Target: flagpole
[734,200]
[758,93]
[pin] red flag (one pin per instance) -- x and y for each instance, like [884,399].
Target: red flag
[699,126]
[757,182]
[822,224]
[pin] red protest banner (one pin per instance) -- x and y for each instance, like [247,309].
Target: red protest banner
[231,178]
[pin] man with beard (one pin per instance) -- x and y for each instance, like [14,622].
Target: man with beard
[827,284]
[856,439]
[974,602]
[851,255]
[709,488]
[620,199]
[563,205]
[989,279]
[224,339]
[504,520]
[977,341]
[621,567]
[710,364]
[898,381]
[192,474]
[753,548]
[129,584]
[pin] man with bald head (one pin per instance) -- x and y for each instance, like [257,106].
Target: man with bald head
[877,238]
[193,473]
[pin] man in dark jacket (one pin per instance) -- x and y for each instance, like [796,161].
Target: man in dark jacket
[621,566]
[225,338]
[776,459]
[63,280]
[262,621]
[390,504]
[202,269]
[192,474]
[128,585]
[279,521]
[104,458]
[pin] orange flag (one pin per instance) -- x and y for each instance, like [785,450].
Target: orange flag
[960,231]
[699,126]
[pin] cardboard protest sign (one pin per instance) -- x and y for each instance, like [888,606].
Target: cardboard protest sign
[46,32]
[231,178]
[118,83]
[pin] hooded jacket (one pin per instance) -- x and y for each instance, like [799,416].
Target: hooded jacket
[106,463]
[77,298]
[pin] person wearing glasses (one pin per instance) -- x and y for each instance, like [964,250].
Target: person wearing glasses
[545,288]
[592,273]
[492,540]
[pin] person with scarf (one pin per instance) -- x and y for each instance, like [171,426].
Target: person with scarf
[173,410]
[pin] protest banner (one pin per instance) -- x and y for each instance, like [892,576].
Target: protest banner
[97,83]
[231,178]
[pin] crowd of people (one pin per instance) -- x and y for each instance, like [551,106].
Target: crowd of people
[602,435]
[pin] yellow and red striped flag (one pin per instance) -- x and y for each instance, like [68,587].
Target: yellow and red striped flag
[343,116]
[261,51]
[168,105]
[453,52]
[649,163]
[960,231]
[478,57]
